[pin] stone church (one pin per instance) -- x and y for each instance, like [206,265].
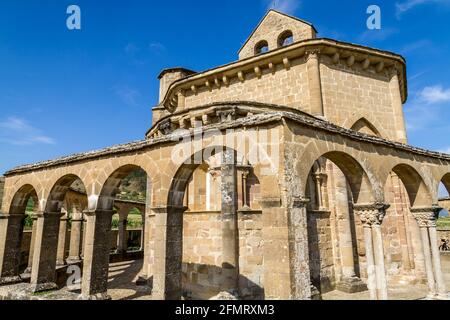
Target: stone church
[286,174]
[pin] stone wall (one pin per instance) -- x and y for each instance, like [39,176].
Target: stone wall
[350,93]
[202,255]
[2,187]
[321,251]
[272,26]
[282,87]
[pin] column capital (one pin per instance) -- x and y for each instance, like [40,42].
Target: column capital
[426,216]
[166,209]
[12,216]
[312,53]
[91,213]
[300,202]
[371,214]
[48,214]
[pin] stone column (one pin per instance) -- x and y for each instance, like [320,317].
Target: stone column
[96,255]
[315,86]
[143,232]
[372,216]
[147,265]
[61,252]
[122,238]
[11,231]
[230,259]
[43,273]
[167,275]
[426,218]
[75,237]
[83,235]
[397,105]
[33,241]
[349,281]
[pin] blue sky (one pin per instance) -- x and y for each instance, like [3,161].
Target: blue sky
[65,91]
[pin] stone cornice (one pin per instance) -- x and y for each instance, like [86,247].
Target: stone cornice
[326,46]
[250,121]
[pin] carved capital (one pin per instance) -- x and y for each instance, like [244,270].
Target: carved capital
[165,127]
[371,214]
[226,115]
[312,54]
[300,202]
[426,217]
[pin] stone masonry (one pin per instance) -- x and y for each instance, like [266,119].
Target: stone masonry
[284,175]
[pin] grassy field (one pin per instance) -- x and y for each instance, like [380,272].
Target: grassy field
[443,223]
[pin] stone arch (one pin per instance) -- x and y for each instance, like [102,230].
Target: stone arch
[367,121]
[20,199]
[418,192]
[58,192]
[364,126]
[446,181]
[285,38]
[261,47]
[360,184]
[112,183]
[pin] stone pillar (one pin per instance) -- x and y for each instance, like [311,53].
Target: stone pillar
[285,250]
[122,238]
[148,262]
[397,105]
[315,86]
[230,251]
[349,281]
[426,218]
[96,255]
[167,275]
[43,273]
[11,231]
[372,216]
[61,252]
[32,243]
[83,232]
[75,237]
[143,231]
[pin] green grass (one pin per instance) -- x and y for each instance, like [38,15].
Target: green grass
[134,221]
[443,223]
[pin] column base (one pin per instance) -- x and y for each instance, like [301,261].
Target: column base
[315,293]
[143,281]
[60,263]
[4,281]
[73,260]
[98,296]
[351,285]
[42,287]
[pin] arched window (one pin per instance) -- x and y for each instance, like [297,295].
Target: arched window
[285,39]
[261,47]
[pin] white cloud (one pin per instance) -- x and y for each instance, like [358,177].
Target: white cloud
[404,6]
[18,131]
[157,48]
[128,95]
[286,6]
[435,94]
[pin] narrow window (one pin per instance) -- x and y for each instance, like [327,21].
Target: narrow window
[262,47]
[285,39]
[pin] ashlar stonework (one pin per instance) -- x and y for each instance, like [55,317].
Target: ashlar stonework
[340,202]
